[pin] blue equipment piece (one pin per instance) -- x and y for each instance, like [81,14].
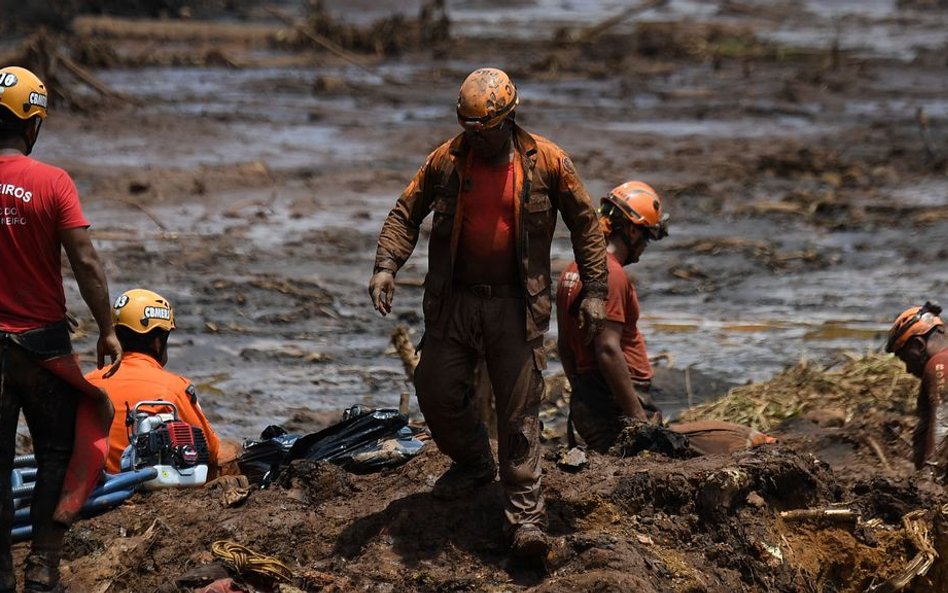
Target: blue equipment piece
[113,491]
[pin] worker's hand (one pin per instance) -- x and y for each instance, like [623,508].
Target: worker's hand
[592,316]
[108,345]
[382,291]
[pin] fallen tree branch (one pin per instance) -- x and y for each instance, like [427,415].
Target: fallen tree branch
[332,47]
[91,80]
[829,514]
[606,24]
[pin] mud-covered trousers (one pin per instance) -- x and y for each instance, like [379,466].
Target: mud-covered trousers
[49,406]
[492,328]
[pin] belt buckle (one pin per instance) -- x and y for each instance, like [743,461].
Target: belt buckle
[481,290]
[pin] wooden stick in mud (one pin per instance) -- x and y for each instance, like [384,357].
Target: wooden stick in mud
[406,351]
[844,514]
[879,453]
[603,26]
[141,207]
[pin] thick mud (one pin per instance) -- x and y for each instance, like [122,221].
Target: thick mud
[801,151]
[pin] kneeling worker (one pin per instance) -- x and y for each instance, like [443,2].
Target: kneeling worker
[611,376]
[143,322]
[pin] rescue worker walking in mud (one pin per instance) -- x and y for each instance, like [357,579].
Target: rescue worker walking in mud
[143,322]
[494,191]
[41,215]
[918,339]
[611,376]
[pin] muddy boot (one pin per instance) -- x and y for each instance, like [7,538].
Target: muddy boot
[42,574]
[461,480]
[529,541]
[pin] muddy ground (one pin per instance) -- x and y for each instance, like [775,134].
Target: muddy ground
[244,170]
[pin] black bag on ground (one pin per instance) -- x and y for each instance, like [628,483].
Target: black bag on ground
[261,460]
[362,431]
[359,427]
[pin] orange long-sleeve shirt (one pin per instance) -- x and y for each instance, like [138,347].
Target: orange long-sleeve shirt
[141,378]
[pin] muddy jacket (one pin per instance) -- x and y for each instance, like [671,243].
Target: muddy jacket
[546,182]
[931,433]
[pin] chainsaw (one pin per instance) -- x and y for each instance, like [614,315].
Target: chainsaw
[160,440]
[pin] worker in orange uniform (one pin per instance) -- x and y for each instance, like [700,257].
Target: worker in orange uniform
[494,191]
[40,216]
[918,339]
[143,321]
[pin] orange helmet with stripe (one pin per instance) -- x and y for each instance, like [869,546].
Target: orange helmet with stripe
[914,321]
[638,203]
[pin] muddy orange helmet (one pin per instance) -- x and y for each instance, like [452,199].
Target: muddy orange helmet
[487,96]
[142,311]
[640,204]
[22,93]
[914,321]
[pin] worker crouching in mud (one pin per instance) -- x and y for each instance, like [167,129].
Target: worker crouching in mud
[68,418]
[918,339]
[611,376]
[143,322]
[494,191]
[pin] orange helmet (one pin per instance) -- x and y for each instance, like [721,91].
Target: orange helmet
[640,205]
[487,96]
[22,93]
[914,321]
[142,311]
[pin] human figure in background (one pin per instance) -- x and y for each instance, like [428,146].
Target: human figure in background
[918,339]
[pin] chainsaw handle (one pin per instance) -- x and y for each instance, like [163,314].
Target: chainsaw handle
[154,404]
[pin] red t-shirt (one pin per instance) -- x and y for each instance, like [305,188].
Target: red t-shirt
[36,202]
[931,431]
[486,249]
[622,306]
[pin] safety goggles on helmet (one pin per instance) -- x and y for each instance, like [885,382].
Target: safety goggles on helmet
[641,207]
[487,121]
[916,321]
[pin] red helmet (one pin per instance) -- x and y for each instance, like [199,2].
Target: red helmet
[914,321]
[640,205]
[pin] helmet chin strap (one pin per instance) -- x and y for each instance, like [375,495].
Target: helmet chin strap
[30,143]
[629,246]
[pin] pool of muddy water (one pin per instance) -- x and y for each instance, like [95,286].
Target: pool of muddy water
[742,322]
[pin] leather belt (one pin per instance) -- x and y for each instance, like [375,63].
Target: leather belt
[494,291]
